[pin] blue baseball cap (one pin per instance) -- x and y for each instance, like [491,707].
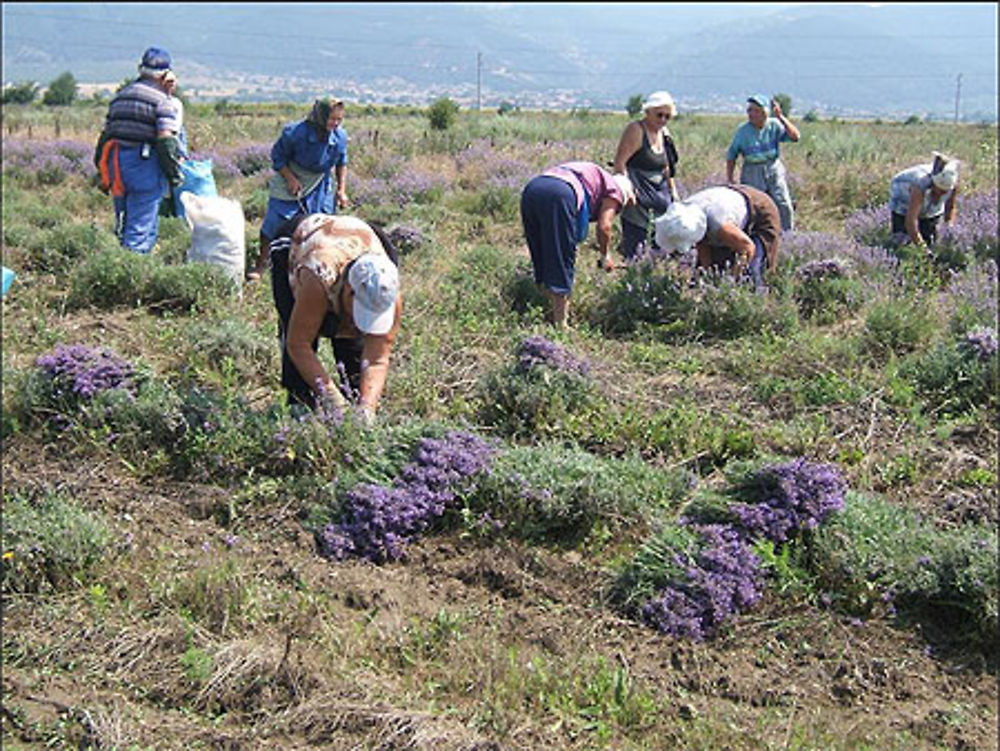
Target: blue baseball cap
[759,99]
[156,60]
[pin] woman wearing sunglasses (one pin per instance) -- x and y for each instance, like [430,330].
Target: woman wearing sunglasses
[647,155]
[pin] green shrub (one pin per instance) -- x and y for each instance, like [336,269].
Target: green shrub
[522,294]
[113,278]
[327,443]
[223,437]
[118,277]
[647,295]
[188,287]
[442,113]
[954,376]
[539,393]
[729,309]
[217,595]
[899,326]
[874,552]
[827,298]
[59,249]
[50,543]
[551,493]
[232,344]
[678,431]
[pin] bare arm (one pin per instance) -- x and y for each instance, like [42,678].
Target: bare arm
[340,171]
[630,142]
[790,129]
[913,215]
[732,237]
[730,169]
[605,220]
[949,206]
[303,327]
[375,354]
[294,186]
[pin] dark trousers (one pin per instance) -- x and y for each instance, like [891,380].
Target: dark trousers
[927,227]
[346,352]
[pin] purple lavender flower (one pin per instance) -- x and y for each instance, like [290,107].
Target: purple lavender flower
[869,225]
[974,229]
[974,289]
[980,342]
[81,372]
[721,579]
[824,268]
[378,521]
[252,158]
[537,351]
[50,162]
[790,498]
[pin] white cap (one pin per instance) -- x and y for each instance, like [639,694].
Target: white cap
[947,178]
[680,227]
[375,281]
[626,187]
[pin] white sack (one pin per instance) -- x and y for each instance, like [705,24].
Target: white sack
[217,233]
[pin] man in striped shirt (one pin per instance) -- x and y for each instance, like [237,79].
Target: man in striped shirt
[138,153]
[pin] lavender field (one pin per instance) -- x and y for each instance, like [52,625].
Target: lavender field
[699,518]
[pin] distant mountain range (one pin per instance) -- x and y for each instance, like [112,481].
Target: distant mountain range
[879,60]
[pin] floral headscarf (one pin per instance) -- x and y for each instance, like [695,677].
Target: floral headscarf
[320,114]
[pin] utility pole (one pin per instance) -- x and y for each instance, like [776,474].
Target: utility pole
[479,80]
[958,94]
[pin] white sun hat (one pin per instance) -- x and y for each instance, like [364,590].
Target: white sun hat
[660,99]
[947,177]
[680,227]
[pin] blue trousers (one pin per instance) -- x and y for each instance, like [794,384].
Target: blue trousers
[549,218]
[137,213]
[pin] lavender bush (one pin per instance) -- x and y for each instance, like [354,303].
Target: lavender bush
[540,394]
[539,352]
[973,233]
[970,297]
[48,162]
[554,493]
[959,374]
[876,555]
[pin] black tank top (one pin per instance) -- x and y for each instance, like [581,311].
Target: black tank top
[647,159]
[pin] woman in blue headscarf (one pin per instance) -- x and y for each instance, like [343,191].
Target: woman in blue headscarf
[303,157]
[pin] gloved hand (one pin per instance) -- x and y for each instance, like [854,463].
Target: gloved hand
[168,151]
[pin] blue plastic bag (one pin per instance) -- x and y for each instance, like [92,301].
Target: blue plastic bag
[198,179]
[8,278]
